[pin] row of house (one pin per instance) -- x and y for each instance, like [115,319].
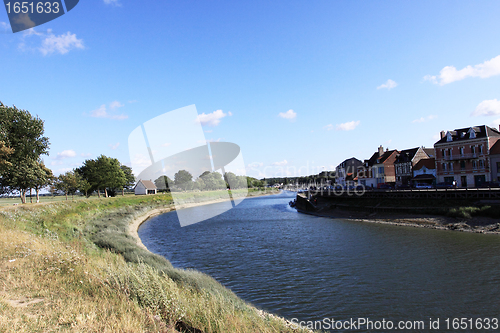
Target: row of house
[466,157]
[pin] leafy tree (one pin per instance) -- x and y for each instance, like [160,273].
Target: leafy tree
[242,182]
[213,181]
[23,135]
[184,180]
[5,152]
[129,176]
[42,177]
[231,180]
[163,182]
[68,183]
[199,184]
[103,173]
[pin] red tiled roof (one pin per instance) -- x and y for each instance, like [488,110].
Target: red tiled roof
[495,149]
[429,163]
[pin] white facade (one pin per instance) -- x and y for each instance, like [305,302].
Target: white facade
[145,187]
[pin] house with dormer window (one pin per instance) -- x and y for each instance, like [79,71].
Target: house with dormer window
[462,155]
[379,169]
[405,160]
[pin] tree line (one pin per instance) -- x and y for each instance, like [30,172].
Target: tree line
[22,145]
[207,181]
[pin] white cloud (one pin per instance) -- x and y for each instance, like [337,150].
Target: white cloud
[349,126]
[388,85]
[424,119]
[61,44]
[112,2]
[328,127]
[166,144]
[450,74]
[284,162]
[208,131]
[5,26]
[214,140]
[115,104]
[102,112]
[495,123]
[212,119]
[490,107]
[290,115]
[256,165]
[86,154]
[115,146]
[65,154]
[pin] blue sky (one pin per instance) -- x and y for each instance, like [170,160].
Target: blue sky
[301,85]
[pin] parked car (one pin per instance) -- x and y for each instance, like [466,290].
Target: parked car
[444,185]
[423,186]
[489,184]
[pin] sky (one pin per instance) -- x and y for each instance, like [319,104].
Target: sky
[300,86]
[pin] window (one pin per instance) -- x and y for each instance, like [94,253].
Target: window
[480,149]
[462,165]
[462,151]
[444,167]
[498,167]
[481,164]
[443,152]
[449,138]
[474,165]
[472,134]
[473,148]
[451,166]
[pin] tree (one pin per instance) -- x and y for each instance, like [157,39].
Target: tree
[213,181]
[42,177]
[199,184]
[163,182]
[23,135]
[129,176]
[103,173]
[184,180]
[68,183]
[5,152]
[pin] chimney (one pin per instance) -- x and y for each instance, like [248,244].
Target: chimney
[380,151]
[442,134]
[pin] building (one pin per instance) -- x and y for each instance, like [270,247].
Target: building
[379,169]
[346,171]
[495,162]
[462,155]
[424,172]
[404,163]
[145,187]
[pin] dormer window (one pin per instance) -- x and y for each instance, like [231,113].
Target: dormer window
[472,133]
[449,137]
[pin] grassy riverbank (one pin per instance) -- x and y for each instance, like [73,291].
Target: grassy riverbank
[72,266]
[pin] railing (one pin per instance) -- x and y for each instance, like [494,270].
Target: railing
[462,156]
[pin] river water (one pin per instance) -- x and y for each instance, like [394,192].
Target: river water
[311,268]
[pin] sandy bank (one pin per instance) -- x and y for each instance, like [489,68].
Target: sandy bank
[484,225]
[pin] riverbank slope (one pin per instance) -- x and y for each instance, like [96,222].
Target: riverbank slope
[456,215]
